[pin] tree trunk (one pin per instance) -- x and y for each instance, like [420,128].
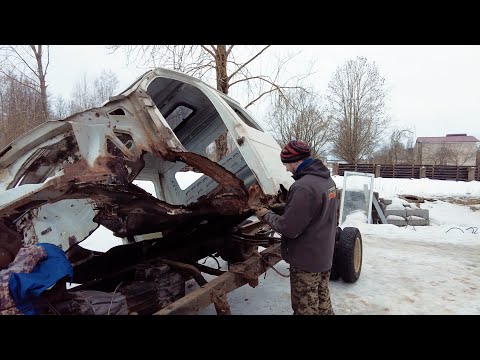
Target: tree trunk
[221,147]
[41,78]
[221,68]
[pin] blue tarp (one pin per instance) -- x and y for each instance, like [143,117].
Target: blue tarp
[25,287]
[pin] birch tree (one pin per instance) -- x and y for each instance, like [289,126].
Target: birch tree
[87,93]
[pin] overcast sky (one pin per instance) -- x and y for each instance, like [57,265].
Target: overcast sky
[433,89]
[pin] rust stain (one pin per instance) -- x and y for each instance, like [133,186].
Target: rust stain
[124,208]
[256,198]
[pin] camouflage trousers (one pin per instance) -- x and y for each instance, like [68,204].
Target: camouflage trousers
[310,293]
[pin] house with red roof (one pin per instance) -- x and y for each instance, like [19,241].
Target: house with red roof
[452,149]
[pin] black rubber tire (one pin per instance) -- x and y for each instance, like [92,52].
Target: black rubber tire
[345,257]
[334,274]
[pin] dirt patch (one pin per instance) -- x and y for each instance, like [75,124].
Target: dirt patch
[466,201]
[412,198]
[472,202]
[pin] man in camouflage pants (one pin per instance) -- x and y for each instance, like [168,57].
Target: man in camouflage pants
[308,228]
[309,292]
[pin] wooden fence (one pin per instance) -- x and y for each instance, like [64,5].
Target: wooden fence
[436,172]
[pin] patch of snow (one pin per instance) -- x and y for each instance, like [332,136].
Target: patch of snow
[395,217]
[355,217]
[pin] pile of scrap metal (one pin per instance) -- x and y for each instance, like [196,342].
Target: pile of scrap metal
[63,179]
[34,282]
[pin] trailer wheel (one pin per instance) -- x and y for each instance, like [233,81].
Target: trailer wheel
[349,254]
[334,274]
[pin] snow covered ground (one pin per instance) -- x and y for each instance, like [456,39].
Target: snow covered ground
[406,270]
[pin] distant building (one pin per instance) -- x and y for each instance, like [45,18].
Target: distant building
[452,149]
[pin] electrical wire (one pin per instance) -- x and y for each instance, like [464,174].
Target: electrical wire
[111,302]
[271,266]
[474,229]
[454,228]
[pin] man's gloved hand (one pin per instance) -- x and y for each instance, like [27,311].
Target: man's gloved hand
[260,213]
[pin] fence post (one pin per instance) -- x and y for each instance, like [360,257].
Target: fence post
[471,173]
[335,168]
[423,172]
[377,170]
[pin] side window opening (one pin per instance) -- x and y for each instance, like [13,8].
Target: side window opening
[187,176]
[118,111]
[146,185]
[125,138]
[102,239]
[178,115]
[244,118]
[218,149]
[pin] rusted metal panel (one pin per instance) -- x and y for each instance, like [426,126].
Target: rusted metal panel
[63,178]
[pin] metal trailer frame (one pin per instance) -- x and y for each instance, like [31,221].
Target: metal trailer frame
[217,289]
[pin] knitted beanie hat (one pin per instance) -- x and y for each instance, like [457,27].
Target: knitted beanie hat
[295,150]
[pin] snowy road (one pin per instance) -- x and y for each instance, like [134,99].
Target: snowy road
[403,276]
[405,271]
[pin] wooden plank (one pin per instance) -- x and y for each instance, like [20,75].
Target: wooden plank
[379,211]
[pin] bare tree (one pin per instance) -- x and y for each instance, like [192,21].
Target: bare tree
[82,96]
[20,107]
[379,156]
[31,63]
[87,93]
[59,108]
[299,115]
[443,155]
[462,154]
[356,95]
[397,150]
[410,149]
[104,86]
[226,65]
